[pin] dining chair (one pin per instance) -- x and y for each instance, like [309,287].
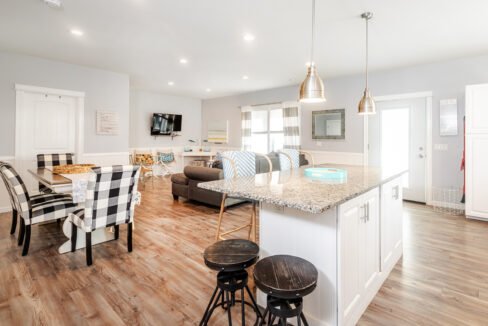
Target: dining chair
[239,164]
[165,158]
[146,161]
[290,158]
[51,160]
[111,196]
[35,199]
[35,209]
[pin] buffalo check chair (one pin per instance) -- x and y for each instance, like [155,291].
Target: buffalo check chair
[239,164]
[51,160]
[33,210]
[110,201]
[35,200]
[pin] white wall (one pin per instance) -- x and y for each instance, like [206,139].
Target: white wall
[104,90]
[444,79]
[142,106]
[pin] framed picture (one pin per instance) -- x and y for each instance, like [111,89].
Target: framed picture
[329,124]
[107,123]
[448,117]
[218,132]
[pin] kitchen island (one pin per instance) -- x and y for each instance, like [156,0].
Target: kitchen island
[350,228]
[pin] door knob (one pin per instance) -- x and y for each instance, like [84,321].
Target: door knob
[421,156]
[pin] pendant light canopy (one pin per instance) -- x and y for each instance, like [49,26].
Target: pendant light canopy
[366,104]
[312,88]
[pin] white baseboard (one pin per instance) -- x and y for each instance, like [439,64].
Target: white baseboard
[348,158]
[5,209]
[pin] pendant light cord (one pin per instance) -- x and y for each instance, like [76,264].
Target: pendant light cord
[313,33]
[367,50]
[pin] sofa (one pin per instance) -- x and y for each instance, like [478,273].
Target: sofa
[186,184]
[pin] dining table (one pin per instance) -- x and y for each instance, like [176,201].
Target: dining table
[74,184]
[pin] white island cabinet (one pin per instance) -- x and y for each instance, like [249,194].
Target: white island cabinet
[351,231]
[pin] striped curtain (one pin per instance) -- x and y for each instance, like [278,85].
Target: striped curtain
[291,125]
[246,128]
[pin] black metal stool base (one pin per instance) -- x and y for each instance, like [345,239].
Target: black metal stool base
[282,309]
[228,283]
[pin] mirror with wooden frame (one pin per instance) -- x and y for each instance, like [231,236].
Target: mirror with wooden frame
[329,124]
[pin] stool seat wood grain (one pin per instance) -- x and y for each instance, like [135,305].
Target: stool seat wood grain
[284,276]
[231,255]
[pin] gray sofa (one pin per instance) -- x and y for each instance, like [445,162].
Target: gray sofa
[186,184]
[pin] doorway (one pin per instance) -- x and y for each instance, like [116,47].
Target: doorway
[47,121]
[398,139]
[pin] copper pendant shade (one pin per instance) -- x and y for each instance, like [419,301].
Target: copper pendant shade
[312,88]
[366,104]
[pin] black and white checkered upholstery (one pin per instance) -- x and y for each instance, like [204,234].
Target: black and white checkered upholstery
[110,198]
[37,208]
[50,160]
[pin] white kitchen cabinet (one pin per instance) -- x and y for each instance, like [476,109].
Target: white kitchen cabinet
[359,250]
[477,151]
[477,109]
[391,224]
[477,176]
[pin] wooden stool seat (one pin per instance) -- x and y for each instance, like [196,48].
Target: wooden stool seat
[231,255]
[286,277]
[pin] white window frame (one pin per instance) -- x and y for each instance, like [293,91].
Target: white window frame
[268,132]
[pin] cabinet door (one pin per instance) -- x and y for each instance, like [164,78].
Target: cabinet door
[391,223]
[477,109]
[477,176]
[349,259]
[370,240]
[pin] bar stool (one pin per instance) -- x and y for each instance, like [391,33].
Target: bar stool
[231,258]
[286,280]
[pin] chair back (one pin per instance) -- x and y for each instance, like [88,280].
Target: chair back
[238,164]
[289,159]
[18,191]
[50,160]
[109,196]
[7,187]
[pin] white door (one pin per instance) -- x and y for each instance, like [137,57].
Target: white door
[397,141]
[47,124]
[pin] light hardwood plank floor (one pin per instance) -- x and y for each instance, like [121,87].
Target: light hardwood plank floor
[442,279]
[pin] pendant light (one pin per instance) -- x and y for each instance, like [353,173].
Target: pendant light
[312,88]
[367,105]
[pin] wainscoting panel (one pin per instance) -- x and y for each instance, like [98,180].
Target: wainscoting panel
[349,158]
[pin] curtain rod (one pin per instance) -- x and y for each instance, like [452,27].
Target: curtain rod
[263,104]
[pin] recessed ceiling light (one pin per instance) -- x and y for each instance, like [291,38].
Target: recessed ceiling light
[171,83]
[76,32]
[245,77]
[53,3]
[208,90]
[248,37]
[183,61]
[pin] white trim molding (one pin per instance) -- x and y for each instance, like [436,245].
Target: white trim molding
[46,90]
[348,158]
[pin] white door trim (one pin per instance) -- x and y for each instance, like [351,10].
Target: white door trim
[428,114]
[79,97]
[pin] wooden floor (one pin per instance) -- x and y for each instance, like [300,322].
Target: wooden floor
[442,279]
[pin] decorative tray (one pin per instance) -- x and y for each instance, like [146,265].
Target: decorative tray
[72,168]
[326,173]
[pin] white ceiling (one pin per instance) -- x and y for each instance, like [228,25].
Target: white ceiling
[146,38]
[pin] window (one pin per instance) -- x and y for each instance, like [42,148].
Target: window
[267,129]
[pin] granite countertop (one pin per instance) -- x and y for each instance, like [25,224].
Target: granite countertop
[295,190]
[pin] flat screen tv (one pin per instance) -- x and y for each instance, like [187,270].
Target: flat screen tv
[165,124]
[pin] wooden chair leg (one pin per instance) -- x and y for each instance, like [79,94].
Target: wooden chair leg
[21,231]
[74,236]
[116,232]
[14,221]
[25,251]
[221,214]
[129,237]
[89,260]
[255,221]
[251,223]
